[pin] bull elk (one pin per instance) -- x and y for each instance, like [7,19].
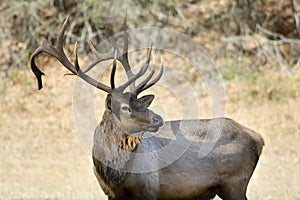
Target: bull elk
[130,153]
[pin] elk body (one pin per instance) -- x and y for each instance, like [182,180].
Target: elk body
[131,150]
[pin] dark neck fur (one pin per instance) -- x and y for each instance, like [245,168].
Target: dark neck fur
[110,160]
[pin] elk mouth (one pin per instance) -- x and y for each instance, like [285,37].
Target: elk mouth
[152,128]
[156,123]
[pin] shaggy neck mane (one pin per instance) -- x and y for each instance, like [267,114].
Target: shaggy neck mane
[123,140]
[112,149]
[110,128]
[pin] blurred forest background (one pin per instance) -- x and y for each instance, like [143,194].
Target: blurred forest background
[254,43]
[259,37]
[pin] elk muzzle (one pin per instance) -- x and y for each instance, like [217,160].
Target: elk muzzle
[156,121]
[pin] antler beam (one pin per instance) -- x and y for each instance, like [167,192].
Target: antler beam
[58,52]
[123,59]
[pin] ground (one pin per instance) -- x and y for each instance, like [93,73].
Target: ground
[42,156]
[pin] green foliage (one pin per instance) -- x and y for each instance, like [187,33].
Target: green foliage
[137,10]
[245,83]
[235,74]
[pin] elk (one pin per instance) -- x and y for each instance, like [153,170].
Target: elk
[129,165]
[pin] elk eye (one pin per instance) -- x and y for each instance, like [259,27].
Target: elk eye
[126,109]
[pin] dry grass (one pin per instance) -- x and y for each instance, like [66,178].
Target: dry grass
[42,156]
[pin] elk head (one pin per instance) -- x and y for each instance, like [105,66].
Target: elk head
[130,112]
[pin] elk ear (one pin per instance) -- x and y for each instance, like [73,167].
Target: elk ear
[108,102]
[146,100]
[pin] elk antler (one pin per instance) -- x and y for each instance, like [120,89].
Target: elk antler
[58,52]
[122,57]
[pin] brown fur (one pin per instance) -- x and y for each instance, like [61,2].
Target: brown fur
[106,141]
[112,144]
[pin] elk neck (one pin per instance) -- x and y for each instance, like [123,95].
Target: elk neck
[123,140]
[110,128]
[112,149]
[112,146]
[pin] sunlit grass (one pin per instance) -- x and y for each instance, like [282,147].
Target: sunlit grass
[42,156]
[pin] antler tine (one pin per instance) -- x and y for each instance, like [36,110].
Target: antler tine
[143,83]
[87,78]
[137,75]
[125,49]
[109,34]
[146,86]
[121,57]
[113,71]
[60,37]
[37,72]
[58,52]
[101,57]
